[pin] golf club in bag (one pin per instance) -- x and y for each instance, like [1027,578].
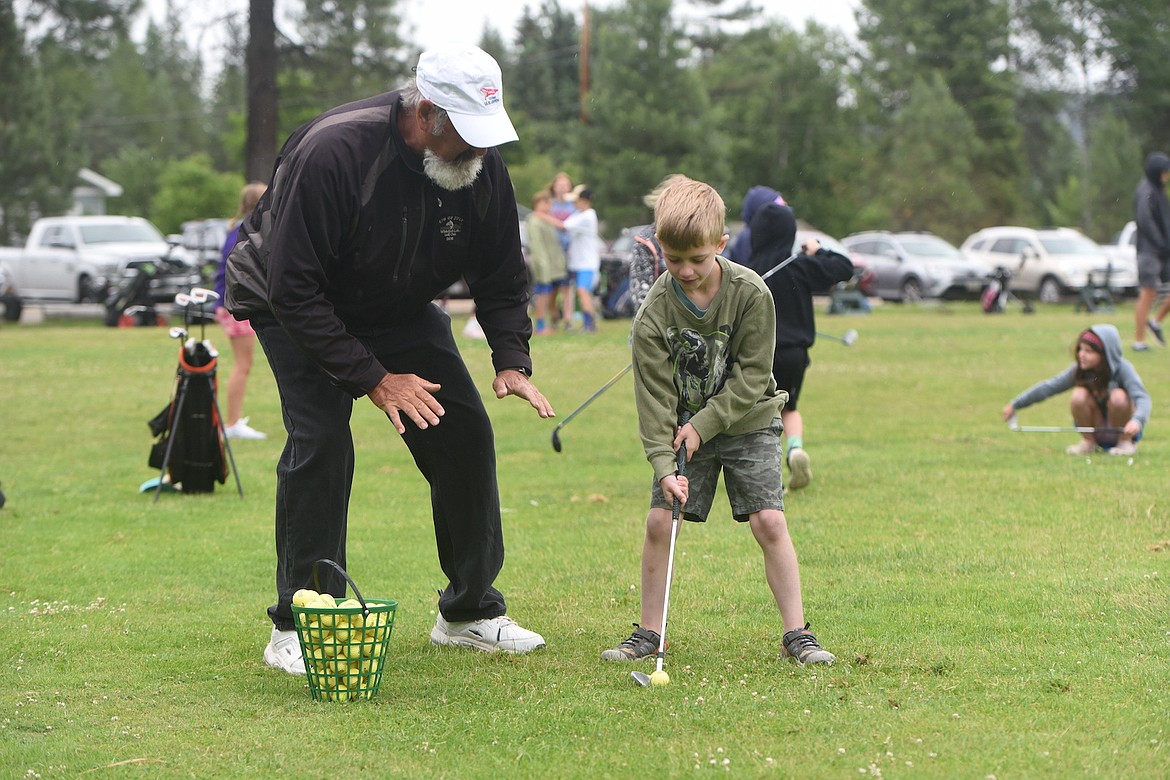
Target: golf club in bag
[191,443]
[556,438]
[642,678]
[849,339]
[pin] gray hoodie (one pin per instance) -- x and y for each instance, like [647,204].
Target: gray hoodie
[1124,376]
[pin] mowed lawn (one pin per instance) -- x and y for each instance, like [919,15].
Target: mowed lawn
[998,608]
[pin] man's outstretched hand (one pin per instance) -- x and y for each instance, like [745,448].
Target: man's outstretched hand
[409,394]
[512,382]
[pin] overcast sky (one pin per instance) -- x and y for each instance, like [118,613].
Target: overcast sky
[438,21]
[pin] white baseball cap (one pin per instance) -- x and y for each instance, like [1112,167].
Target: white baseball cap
[465,81]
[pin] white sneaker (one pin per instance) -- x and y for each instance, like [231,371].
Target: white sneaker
[241,430]
[1123,448]
[799,469]
[490,635]
[284,652]
[473,330]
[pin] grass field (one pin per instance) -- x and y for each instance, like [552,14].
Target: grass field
[998,609]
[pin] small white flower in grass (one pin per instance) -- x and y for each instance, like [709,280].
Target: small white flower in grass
[808,712]
[841,751]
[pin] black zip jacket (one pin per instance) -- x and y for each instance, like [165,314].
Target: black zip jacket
[356,240]
[773,233]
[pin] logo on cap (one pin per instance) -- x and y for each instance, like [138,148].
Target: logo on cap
[490,95]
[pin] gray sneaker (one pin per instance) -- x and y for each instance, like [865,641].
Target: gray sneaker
[802,648]
[643,643]
[1156,329]
[799,469]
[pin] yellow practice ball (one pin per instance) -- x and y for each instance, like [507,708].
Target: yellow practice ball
[660,678]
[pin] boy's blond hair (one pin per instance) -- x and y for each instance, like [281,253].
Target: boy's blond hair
[541,195]
[688,214]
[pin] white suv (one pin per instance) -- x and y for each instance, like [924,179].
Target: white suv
[1048,263]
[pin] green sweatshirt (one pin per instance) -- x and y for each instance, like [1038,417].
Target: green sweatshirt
[718,366]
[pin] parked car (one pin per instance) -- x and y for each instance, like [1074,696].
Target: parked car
[1122,249]
[911,266]
[79,258]
[1049,263]
[9,294]
[203,240]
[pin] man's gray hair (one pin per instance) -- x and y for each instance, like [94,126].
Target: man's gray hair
[411,97]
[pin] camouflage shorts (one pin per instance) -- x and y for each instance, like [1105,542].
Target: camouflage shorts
[752,473]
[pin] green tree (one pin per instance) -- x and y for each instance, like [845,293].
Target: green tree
[969,45]
[542,79]
[648,114]
[775,99]
[191,189]
[935,145]
[32,179]
[1137,32]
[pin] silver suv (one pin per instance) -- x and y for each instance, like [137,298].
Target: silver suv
[909,267]
[1049,263]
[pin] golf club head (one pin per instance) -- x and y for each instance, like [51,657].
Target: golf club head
[850,337]
[1013,423]
[202,295]
[641,678]
[556,438]
[182,299]
[178,333]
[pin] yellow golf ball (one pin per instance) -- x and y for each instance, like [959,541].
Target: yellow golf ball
[660,678]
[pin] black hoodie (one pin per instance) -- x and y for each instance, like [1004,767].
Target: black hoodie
[773,232]
[1152,210]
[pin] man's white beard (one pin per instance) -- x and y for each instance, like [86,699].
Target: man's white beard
[451,175]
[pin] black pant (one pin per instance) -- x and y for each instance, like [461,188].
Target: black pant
[315,472]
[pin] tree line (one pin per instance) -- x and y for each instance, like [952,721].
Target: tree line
[941,115]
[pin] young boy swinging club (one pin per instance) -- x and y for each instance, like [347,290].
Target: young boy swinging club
[702,346]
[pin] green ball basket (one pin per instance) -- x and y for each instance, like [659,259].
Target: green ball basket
[345,647]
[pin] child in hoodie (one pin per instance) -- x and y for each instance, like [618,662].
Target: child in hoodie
[1107,393]
[772,235]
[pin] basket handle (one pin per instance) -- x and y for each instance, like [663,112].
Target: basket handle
[341,571]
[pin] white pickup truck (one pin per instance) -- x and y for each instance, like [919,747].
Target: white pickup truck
[80,258]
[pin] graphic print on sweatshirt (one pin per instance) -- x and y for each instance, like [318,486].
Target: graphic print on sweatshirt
[700,363]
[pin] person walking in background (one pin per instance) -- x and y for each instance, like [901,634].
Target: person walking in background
[1152,220]
[342,298]
[1107,392]
[773,232]
[702,356]
[549,269]
[241,337]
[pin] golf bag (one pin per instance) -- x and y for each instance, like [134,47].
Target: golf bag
[190,444]
[129,303]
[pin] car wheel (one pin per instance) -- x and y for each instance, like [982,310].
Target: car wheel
[911,290]
[12,309]
[1049,290]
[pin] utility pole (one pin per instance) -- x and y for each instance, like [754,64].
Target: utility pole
[583,61]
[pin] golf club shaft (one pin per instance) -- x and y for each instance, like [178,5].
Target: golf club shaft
[1015,426]
[676,513]
[831,337]
[782,265]
[593,397]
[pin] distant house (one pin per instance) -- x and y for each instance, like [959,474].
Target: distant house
[90,196]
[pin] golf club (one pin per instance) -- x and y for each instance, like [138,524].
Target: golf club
[1015,426]
[201,296]
[178,333]
[556,438]
[849,339]
[641,678]
[184,300]
[783,264]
